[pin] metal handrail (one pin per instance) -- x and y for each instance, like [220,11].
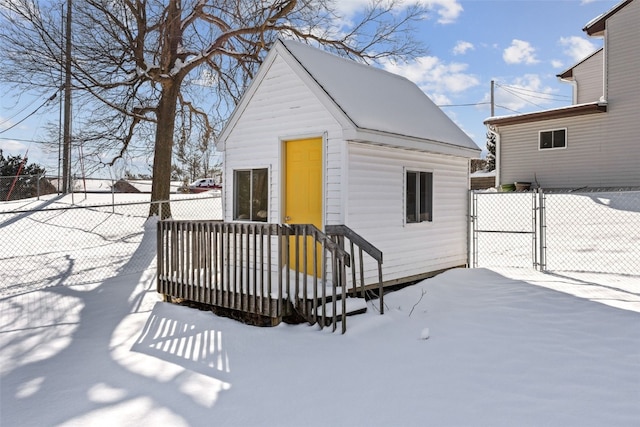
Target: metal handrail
[342,231]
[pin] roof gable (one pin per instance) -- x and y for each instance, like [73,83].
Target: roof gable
[377,100]
[369,102]
[568,73]
[597,25]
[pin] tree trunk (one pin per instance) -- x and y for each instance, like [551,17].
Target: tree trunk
[161,183]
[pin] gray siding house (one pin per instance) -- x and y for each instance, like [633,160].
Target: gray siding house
[595,142]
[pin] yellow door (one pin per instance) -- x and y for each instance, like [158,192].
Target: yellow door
[303,192]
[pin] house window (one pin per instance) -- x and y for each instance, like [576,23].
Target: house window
[251,194]
[553,139]
[419,196]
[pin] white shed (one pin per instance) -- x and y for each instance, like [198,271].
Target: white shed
[325,140]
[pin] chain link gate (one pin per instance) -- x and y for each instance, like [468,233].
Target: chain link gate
[507,229]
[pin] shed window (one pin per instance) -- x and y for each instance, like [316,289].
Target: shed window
[553,139]
[419,196]
[251,194]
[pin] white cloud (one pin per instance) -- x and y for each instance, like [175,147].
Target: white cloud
[577,47]
[447,10]
[462,47]
[520,52]
[436,78]
[440,99]
[11,147]
[556,63]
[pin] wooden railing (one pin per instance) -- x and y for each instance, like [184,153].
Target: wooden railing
[248,267]
[341,232]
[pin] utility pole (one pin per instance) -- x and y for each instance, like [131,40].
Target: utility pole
[66,150]
[492,99]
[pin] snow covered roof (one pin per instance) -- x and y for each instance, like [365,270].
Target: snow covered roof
[597,25]
[377,100]
[556,113]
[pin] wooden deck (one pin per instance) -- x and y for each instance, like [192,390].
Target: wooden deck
[256,268]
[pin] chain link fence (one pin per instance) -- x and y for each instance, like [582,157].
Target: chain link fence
[588,231]
[16,187]
[85,238]
[503,229]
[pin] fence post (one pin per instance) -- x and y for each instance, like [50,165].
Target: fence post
[469,214]
[534,228]
[542,239]
[473,243]
[113,197]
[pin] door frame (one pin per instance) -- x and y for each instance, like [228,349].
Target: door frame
[283,171]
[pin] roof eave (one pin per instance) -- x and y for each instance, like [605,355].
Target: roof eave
[568,74]
[573,111]
[375,137]
[596,27]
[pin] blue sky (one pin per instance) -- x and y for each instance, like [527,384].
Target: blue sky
[521,44]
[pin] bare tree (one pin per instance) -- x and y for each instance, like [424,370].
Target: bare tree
[135,62]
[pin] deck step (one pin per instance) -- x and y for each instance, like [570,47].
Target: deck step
[354,306]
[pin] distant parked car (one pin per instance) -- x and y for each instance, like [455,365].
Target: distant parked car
[203,184]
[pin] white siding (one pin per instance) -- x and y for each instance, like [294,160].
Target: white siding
[603,150]
[589,79]
[375,209]
[363,184]
[282,107]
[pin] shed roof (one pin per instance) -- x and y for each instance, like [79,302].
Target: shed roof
[377,100]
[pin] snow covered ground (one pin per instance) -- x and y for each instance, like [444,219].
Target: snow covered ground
[470,347]
[589,232]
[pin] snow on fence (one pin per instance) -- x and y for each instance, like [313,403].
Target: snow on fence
[579,231]
[80,239]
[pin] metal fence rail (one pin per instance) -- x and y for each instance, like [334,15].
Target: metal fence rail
[54,241]
[15,187]
[588,231]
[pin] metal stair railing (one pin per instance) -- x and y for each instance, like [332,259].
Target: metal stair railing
[309,304]
[339,233]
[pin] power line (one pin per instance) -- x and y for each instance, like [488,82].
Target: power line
[464,105]
[529,90]
[523,98]
[51,98]
[549,96]
[4,138]
[18,112]
[507,108]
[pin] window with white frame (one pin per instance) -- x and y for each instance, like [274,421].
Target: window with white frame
[550,139]
[418,196]
[251,194]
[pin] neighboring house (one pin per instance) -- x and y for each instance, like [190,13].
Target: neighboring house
[325,140]
[596,141]
[481,180]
